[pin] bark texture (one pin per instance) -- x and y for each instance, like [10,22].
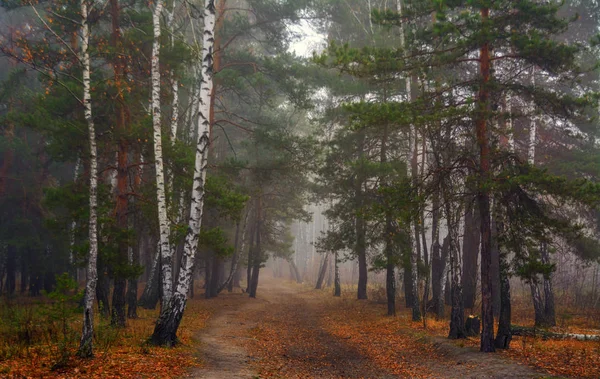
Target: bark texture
[151,293]
[549,308]
[322,272]
[168,322]
[504,335]
[119,64]
[337,291]
[257,258]
[470,254]
[487,314]
[86,349]
[161,198]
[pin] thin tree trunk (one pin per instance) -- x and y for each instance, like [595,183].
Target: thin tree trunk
[118,314]
[11,270]
[337,291]
[361,252]
[250,256]
[257,261]
[132,285]
[438,261]
[151,293]
[24,275]
[538,304]
[165,331]
[322,272]
[234,258]
[215,280]
[161,198]
[549,308]
[457,316]
[470,254]
[495,265]
[360,224]
[295,270]
[236,279]
[388,232]
[487,315]
[103,289]
[504,335]
[86,343]
[426,255]
[407,281]
[414,294]
[72,267]
[329,276]
[172,78]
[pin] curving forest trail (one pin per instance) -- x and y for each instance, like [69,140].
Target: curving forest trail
[291,331]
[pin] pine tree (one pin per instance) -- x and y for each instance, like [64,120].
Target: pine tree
[467,38]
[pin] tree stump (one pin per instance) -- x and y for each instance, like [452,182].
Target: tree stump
[473,326]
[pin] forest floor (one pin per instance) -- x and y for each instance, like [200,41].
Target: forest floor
[289,331]
[292,331]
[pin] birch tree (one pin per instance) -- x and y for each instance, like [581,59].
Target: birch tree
[161,198]
[165,331]
[86,344]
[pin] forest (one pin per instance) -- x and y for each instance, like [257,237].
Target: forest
[299,188]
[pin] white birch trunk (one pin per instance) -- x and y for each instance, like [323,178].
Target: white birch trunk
[197,202]
[74,224]
[161,198]
[193,129]
[532,140]
[175,108]
[85,346]
[532,132]
[173,79]
[170,317]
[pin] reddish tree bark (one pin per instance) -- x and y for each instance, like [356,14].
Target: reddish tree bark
[487,315]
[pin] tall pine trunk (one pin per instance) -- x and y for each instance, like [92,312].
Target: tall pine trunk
[165,331]
[86,343]
[549,308]
[388,232]
[118,314]
[438,259]
[504,335]
[322,272]
[470,250]
[235,258]
[360,224]
[457,315]
[337,291]
[361,252]
[487,315]
[257,261]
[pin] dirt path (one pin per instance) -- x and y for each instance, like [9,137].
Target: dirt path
[293,332]
[222,352]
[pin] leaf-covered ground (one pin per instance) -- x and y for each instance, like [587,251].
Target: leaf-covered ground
[292,331]
[119,353]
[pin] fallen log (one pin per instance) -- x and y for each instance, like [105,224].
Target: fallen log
[545,334]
